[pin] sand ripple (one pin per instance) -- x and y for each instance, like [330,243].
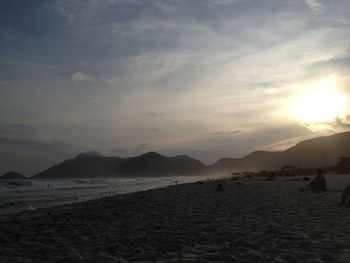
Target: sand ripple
[257,222]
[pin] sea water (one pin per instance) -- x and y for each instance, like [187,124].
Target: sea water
[29,194]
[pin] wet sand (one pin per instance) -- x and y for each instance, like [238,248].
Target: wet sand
[258,221]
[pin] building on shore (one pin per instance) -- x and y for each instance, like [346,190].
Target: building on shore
[343,161]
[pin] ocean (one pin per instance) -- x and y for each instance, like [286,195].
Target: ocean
[30,194]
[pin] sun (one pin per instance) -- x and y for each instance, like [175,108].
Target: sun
[319,103]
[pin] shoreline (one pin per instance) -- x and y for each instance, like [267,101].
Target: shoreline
[255,222]
[23,195]
[69,205]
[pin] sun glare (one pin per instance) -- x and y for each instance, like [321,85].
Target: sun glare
[319,103]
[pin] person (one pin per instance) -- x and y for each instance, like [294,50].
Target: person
[318,184]
[219,187]
[345,199]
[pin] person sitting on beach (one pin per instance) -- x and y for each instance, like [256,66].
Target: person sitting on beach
[345,199]
[318,184]
[219,187]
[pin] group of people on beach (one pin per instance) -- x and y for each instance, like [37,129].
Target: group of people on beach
[318,184]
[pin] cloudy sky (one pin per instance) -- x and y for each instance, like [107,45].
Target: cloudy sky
[207,78]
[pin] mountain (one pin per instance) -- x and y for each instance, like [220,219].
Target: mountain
[153,163]
[314,153]
[84,165]
[148,164]
[318,152]
[13,175]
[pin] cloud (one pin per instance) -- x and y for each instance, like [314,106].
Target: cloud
[151,114]
[219,133]
[80,77]
[57,148]
[30,157]
[211,148]
[118,150]
[16,130]
[142,148]
[155,130]
[340,63]
[342,123]
[92,153]
[195,69]
[316,7]
[336,68]
[223,2]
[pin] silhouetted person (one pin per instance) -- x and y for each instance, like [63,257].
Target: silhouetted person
[219,187]
[318,184]
[345,199]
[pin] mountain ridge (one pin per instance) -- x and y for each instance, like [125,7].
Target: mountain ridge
[312,153]
[316,152]
[83,165]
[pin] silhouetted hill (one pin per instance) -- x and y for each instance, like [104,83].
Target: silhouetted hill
[13,175]
[314,153]
[148,164]
[153,163]
[84,165]
[318,152]
[224,164]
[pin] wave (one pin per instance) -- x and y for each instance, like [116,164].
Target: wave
[15,183]
[15,195]
[80,181]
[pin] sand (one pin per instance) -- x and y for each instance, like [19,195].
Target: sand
[258,221]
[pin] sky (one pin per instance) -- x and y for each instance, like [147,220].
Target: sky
[209,78]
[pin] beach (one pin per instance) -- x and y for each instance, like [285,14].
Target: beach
[258,221]
[18,195]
